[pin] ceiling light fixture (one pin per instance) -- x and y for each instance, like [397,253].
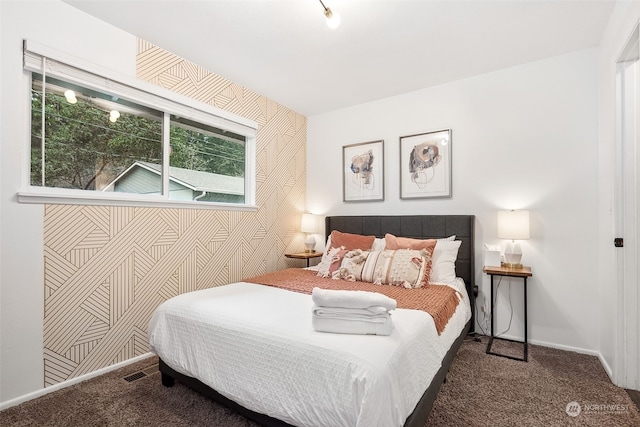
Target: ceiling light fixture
[333,19]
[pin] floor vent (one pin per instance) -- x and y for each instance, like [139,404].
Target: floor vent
[149,370]
[133,377]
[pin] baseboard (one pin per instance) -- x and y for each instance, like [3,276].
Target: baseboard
[567,348]
[606,367]
[580,350]
[38,393]
[557,346]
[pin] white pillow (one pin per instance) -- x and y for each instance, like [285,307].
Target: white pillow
[443,268]
[378,245]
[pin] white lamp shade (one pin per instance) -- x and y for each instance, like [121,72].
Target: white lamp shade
[513,225]
[308,223]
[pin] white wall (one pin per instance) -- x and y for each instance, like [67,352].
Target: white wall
[523,137]
[621,24]
[58,25]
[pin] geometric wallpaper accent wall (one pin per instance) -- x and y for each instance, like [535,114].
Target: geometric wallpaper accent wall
[106,269]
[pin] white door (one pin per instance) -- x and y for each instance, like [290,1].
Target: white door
[627,366]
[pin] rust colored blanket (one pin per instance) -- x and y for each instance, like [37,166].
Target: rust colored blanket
[440,301]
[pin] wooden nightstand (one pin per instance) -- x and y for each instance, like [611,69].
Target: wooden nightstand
[304,255]
[523,273]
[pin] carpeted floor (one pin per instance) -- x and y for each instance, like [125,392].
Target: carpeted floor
[481,390]
[484,390]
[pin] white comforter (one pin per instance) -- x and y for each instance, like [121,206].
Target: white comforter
[255,345]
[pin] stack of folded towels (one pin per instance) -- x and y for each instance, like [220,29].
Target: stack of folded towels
[352,312]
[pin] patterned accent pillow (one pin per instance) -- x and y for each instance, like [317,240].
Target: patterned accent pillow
[403,267]
[331,262]
[378,245]
[351,265]
[444,255]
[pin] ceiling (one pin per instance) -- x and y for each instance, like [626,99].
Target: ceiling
[283,49]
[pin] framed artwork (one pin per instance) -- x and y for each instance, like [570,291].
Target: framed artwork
[425,165]
[363,172]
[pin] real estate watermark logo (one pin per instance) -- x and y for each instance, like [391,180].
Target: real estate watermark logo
[573,408]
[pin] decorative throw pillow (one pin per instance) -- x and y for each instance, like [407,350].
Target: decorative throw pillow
[348,241]
[378,245]
[404,267]
[331,262]
[443,268]
[351,266]
[351,241]
[394,242]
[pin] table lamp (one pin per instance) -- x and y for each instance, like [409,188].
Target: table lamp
[513,225]
[309,225]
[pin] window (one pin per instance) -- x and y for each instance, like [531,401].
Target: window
[212,158]
[90,138]
[99,139]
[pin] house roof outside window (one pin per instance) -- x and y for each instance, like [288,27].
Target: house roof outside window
[197,181]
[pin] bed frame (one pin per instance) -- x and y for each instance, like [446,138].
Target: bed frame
[415,226]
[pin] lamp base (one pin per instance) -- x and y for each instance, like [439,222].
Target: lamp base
[310,243]
[512,256]
[512,266]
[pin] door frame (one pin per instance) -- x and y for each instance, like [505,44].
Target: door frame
[626,370]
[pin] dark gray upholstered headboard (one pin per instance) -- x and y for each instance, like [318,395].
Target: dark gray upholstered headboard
[418,227]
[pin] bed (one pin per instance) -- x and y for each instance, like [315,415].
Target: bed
[267,388]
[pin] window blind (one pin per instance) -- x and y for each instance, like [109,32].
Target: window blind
[44,60]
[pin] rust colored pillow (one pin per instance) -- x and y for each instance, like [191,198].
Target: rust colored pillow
[394,242]
[351,241]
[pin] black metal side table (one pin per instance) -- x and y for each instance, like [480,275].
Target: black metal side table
[524,273]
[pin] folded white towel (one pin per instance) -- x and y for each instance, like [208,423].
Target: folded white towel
[371,313]
[351,299]
[358,327]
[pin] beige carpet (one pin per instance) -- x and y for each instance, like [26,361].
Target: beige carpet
[485,390]
[481,390]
